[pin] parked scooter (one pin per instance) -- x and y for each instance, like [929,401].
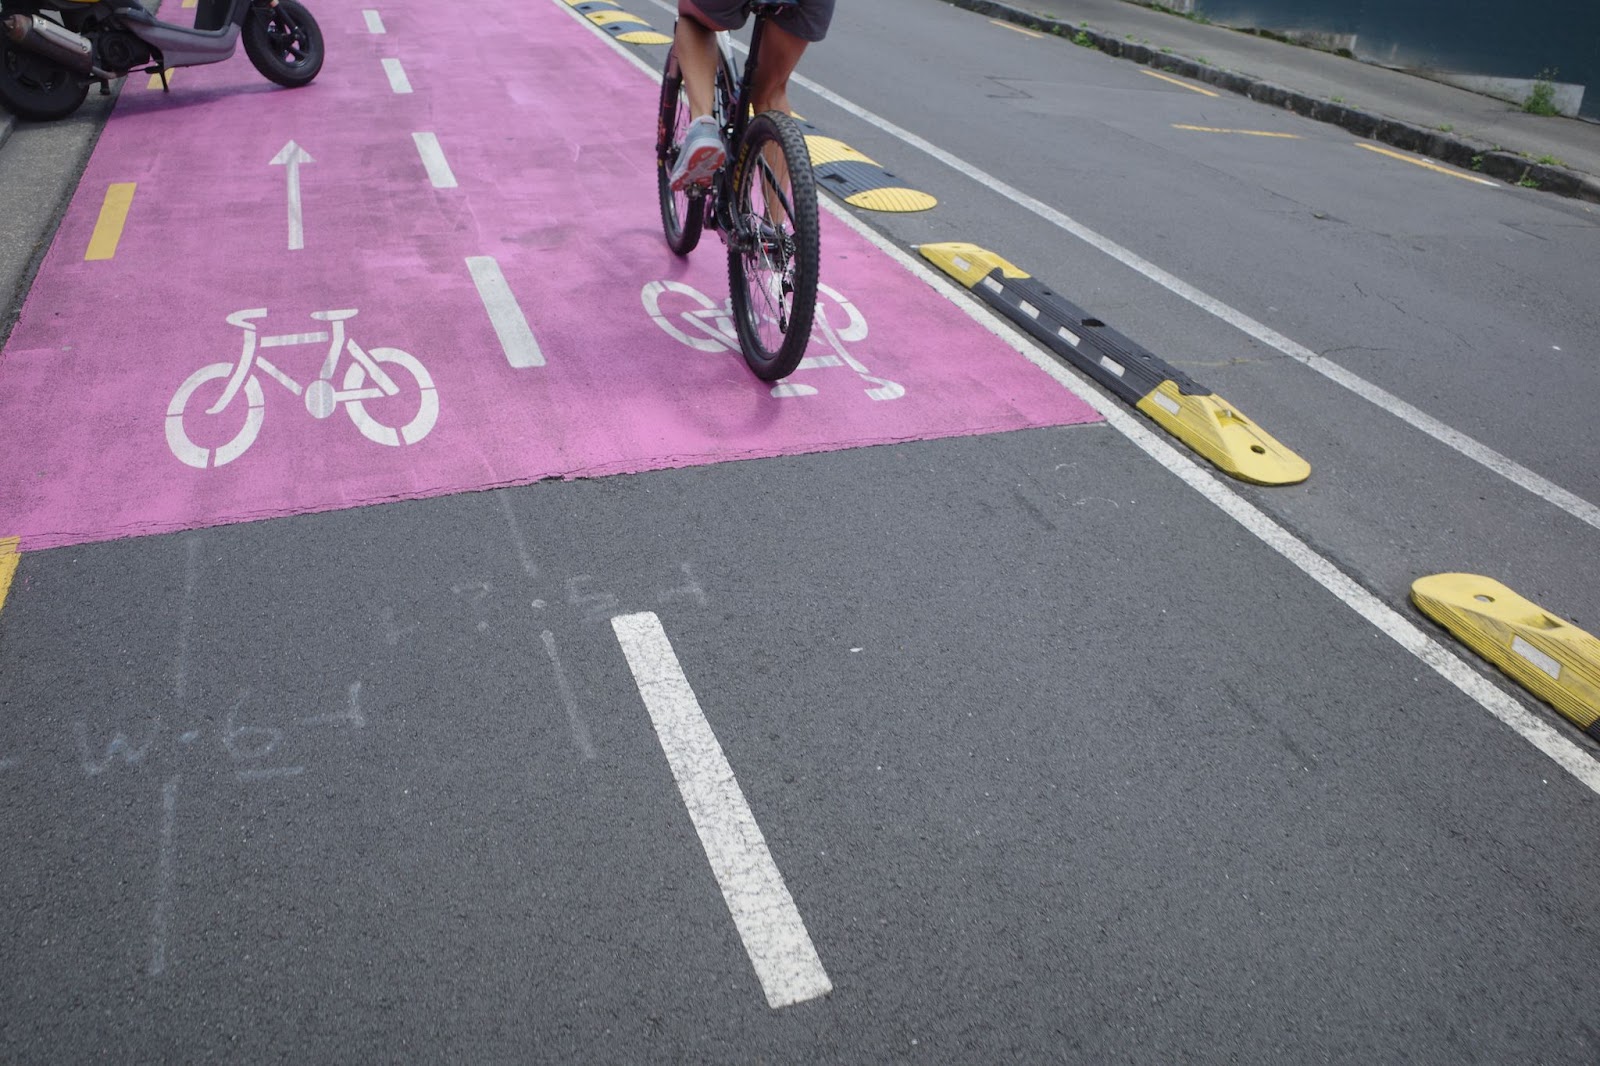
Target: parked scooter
[47,64]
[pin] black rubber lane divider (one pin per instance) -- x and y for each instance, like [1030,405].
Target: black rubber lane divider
[1203,421]
[1548,656]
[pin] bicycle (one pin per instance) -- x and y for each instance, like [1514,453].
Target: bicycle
[763,204]
[321,397]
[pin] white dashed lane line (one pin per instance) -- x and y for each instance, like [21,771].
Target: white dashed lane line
[774,935]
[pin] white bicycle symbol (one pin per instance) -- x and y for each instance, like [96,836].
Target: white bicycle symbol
[707,326]
[321,398]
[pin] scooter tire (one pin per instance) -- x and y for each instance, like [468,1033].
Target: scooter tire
[36,89]
[283,43]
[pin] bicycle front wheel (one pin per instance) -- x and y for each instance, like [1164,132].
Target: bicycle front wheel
[681,213]
[773,253]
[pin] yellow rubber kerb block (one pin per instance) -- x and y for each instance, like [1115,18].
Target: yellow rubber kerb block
[1548,656]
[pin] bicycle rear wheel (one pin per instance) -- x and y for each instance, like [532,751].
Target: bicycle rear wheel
[773,256]
[682,214]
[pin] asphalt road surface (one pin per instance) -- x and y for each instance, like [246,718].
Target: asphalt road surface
[623,710]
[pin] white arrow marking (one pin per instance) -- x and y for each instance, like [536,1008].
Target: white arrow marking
[292,156]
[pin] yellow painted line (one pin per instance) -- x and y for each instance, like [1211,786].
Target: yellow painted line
[191,3]
[1016,29]
[1180,83]
[1242,133]
[1423,163]
[8,565]
[155,79]
[113,216]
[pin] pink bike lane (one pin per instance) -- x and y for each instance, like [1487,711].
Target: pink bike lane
[464,213]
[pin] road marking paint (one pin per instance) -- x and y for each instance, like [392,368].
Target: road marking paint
[1528,725]
[374,22]
[9,558]
[580,732]
[113,216]
[764,912]
[155,79]
[1179,82]
[510,324]
[397,76]
[1532,728]
[161,911]
[291,156]
[1016,29]
[1482,454]
[1243,133]
[1424,163]
[433,159]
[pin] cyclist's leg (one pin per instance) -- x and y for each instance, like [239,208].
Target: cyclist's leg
[695,37]
[780,53]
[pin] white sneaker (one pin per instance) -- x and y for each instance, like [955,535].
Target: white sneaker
[701,155]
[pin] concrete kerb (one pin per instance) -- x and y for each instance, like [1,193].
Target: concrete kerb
[1486,159]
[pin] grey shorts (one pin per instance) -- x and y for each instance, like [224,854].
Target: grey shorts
[807,21]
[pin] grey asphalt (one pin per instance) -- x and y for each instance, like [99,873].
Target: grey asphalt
[1058,763]
[1030,802]
[1419,114]
[1409,111]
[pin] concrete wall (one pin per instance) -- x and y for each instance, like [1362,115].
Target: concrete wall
[1487,45]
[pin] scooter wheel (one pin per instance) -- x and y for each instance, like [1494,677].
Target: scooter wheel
[35,88]
[284,42]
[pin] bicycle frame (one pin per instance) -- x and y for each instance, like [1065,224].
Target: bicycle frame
[719,203]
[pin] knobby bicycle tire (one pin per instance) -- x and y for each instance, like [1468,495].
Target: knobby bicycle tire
[772,275]
[682,215]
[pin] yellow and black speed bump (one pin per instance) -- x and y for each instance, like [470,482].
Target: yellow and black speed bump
[1548,656]
[629,29]
[858,180]
[1202,420]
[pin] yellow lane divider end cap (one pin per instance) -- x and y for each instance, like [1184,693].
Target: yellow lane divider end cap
[1217,431]
[1547,655]
[644,37]
[968,263]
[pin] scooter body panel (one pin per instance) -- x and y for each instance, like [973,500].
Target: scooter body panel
[183,46]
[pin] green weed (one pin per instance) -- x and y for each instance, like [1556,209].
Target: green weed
[1542,99]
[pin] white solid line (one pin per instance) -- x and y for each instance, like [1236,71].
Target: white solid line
[510,324]
[397,76]
[374,22]
[774,935]
[433,159]
[1532,728]
[161,916]
[580,732]
[1478,452]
